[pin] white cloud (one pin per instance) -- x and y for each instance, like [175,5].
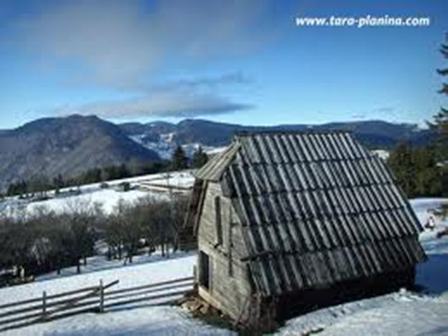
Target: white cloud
[208,83]
[120,44]
[125,45]
[160,103]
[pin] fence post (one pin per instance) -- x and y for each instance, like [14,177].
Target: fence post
[44,305]
[101,296]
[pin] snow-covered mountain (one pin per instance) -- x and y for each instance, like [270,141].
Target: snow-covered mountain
[163,137]
[69,146]
[166,144]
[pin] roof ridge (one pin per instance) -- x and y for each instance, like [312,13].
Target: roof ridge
[291,132]
[216,166]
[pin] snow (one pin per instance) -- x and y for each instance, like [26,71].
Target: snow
[130,275]
[162,320]
[381,153]
[433,274]
[136,322]
[399,313]
[100,263]
[424,207]
[166,145]
[163,148]
[154,185]
[191,148]
[394,314]
[107,198]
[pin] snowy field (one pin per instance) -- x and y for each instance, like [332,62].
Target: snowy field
[100,263]
[401,313]
[107,198]
[135,274]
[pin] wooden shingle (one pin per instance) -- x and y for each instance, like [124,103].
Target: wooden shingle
[315,209]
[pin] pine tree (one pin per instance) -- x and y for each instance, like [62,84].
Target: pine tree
[427,173]
[58,183]
[123,171]
[440,122]
[91,176]
[199,159]
[402,164]
[179,160]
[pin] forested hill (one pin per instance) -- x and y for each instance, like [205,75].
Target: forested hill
[374,133]
[65,146]
[70,146]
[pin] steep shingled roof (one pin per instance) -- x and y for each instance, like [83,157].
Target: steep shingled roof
[214,169]
[316,208]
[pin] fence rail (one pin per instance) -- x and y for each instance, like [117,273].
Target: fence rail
[89,299]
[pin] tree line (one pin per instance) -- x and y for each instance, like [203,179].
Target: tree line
[39,184]
[418,171]
[45,241]
[424,171]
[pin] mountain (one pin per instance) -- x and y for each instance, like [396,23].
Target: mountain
[67,146]
[163,137]
[74,144]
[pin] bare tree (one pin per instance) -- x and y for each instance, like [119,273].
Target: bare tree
[80,222]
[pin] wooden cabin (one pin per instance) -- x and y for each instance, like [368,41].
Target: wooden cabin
[288,221]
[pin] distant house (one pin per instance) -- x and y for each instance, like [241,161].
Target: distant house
[285,221]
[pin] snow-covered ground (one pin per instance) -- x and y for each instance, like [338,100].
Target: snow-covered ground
[99,263]
[135,274]
[381,153]
[72,198]
[163,320]
[401,313]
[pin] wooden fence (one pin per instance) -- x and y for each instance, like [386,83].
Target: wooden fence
[165,188]
[100,298]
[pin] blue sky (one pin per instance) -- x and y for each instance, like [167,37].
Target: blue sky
[234,61]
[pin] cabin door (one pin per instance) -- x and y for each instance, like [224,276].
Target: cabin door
[204,270]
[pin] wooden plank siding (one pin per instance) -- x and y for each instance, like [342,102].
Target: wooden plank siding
[229,287]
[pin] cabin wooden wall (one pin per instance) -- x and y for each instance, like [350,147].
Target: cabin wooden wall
[229,285]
